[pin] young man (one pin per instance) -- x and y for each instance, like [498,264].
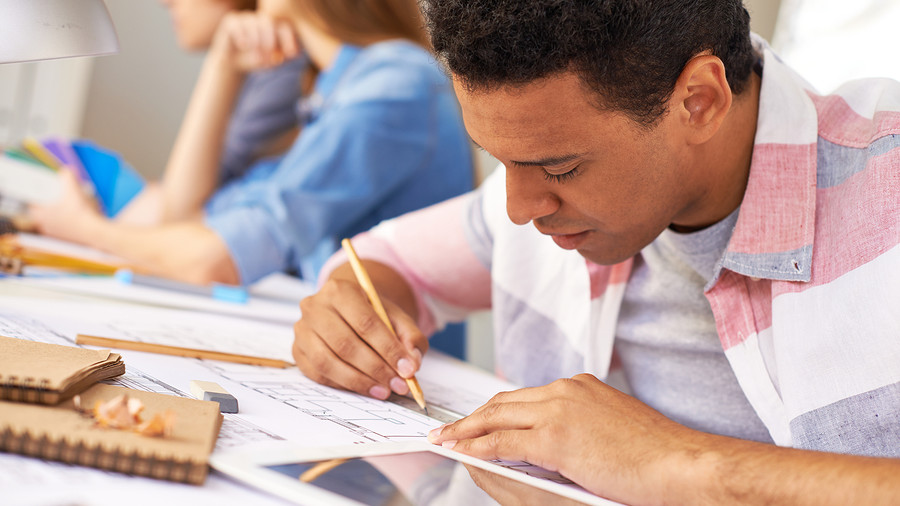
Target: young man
[730,236]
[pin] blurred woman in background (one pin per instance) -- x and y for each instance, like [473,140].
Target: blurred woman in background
[261,123]
[380,135]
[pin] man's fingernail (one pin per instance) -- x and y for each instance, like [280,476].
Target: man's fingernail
[449,444]
[405,367]
[417,354]
[399,385]
[379,392]
[434,434]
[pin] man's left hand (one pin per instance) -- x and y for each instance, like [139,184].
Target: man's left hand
[606,441]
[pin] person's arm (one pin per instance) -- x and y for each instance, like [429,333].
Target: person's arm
[188,251]
[243,42]
[338,175]
[413,260]
[619,448]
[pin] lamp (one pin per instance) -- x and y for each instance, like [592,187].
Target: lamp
[47,29]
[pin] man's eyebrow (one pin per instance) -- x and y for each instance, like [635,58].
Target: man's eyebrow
[549,161]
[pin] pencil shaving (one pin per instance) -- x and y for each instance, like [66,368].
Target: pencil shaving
[124,413]
[158,426]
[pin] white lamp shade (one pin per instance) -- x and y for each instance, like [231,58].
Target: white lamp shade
[47,29]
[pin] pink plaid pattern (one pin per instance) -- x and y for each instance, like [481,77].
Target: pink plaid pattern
[805,302]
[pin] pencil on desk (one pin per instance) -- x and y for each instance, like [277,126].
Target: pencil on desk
[178,351]
[218,291]
[366,282]
[10,248]
[82,266]
[319,469]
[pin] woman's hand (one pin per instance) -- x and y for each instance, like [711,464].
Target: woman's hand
[248,41]
[70,215]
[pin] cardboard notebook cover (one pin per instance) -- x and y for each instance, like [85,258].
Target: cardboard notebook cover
[63,434]
[49,373]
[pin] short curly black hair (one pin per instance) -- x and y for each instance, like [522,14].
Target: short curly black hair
[629,52]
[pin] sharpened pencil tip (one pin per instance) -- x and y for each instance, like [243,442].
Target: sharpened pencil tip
[426,411]
[416,391]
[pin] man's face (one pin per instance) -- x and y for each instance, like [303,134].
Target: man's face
[594,181]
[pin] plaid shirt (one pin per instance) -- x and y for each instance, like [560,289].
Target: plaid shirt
[806,297]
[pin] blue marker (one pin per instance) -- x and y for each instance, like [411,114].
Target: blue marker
[218,291]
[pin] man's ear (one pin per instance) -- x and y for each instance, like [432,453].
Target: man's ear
[702,97]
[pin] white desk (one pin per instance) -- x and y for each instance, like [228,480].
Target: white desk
[30,481]
[274,403]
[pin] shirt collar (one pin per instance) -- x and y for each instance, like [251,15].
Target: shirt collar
[328,78]
[773,237]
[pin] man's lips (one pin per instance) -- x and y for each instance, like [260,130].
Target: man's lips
[568,241]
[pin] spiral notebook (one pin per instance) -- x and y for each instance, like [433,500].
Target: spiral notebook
[63,434]
[49,373]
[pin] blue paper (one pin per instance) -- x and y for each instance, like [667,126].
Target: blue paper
[115,180]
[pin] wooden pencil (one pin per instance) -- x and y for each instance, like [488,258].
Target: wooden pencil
[41,259]
[10,248]
[178,351]
[366,282]
[319,469]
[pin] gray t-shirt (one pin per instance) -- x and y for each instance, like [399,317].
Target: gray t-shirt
[667,341]
[264,110]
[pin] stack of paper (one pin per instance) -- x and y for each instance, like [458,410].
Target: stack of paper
[49,373]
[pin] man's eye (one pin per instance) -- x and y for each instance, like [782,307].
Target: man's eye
[562,178]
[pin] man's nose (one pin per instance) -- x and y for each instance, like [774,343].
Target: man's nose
[527,197]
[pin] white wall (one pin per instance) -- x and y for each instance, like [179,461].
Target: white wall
[830,42]
[137,98]
[762,16]
[33,104]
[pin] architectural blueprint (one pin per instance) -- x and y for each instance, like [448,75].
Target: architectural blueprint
[303,406]
[275,404]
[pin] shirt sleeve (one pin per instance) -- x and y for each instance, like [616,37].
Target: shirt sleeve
[443,253]
[342,166]
[264,110]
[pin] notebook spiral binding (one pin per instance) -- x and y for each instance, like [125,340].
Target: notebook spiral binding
[129,462]
[26,389]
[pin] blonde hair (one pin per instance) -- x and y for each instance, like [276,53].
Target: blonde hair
[364,22]
[361,23]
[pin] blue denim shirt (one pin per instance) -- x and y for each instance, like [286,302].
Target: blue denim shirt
[382,136]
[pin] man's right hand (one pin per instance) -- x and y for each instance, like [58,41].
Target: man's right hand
[340,341]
